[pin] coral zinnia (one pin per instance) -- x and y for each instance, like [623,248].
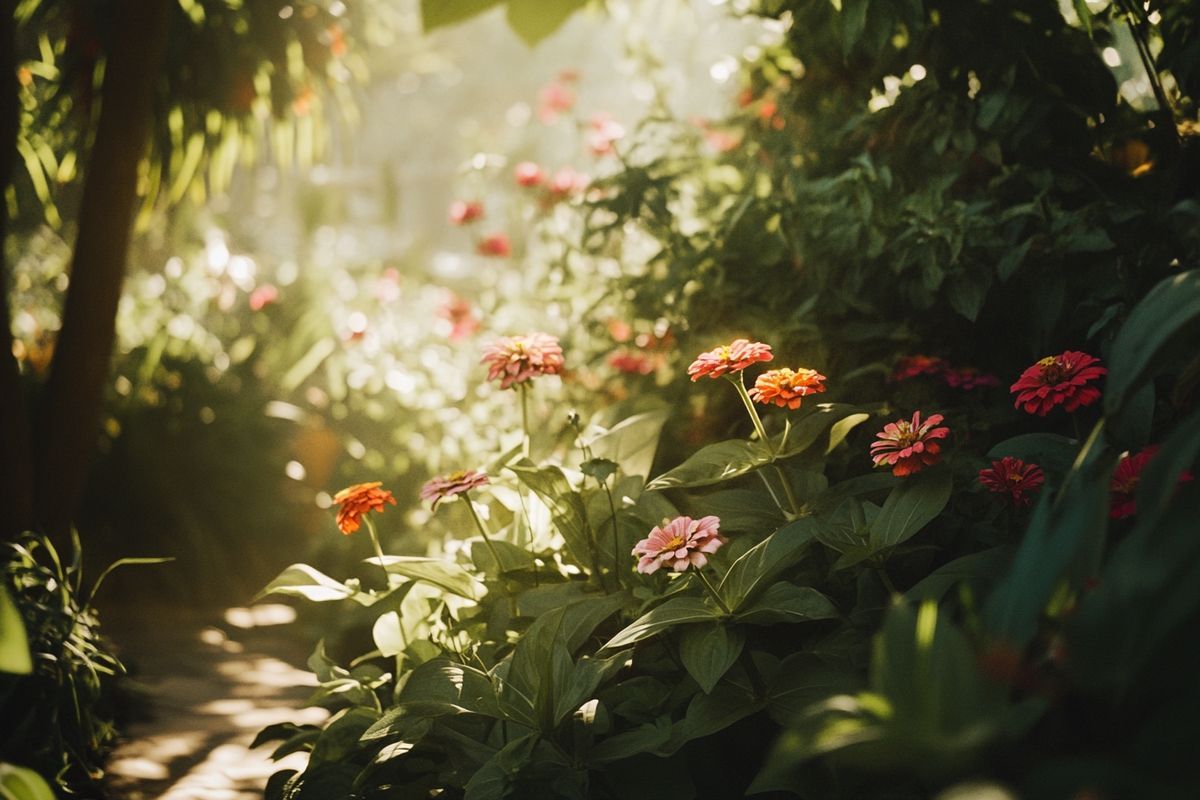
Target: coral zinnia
[444,486]
[1013,477]
[908,447]
[733,357]
[680,543]
[785,387]
[1058,380]
[516,359]
[356,500]
[1122,488]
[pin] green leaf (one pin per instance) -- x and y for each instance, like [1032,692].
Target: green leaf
[676,611]
[841,429]
[786,602]
[763,563]
[494,779]
[436,13]
[301,580]
[714,463]
[1084,13]
[534,20]
[599,468]
[975,569]
[341,735]
[14,642]
[743,510]
[803,679]
[443,574]
[854,22]
[643,739]
[566,506]
[910,507]
[815,420]
[708,651]
[709,713]
[1051,452]
[512,558]
[19,783]
[632,442]
[1168,317]
[966,293]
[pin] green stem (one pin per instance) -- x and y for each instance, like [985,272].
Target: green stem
[787,490]
[612,507]
[387,578]
[740,385]
[712,591]
[487,540]
[757,683]
[771,491]
[523,390]
[887,582]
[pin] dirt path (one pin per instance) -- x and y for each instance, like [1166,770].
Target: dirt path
[214,681]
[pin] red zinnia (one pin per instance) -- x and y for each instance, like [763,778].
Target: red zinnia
[968,378]
[908,447]
[495,245]
[733,357]
[912,366]
[1122,488]
[785,387]
[1058,380]
[1013,477]
[356,500]
[516,359]
[445,486]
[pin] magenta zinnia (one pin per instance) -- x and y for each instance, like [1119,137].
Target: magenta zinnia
[909,446]
[733,357]
[1013,477]
[1060,380]
[913,366]
[516,359]
[679,543]
[786,388]
[446,486]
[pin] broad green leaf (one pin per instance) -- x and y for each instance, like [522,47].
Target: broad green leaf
[643,739]
[1051,452]
[534,20]
[631,443]
[301,580]
[494,779]
[443,574]
[676,611]
[341,735]
[20,783]
[841,429]
[1084,13]
[512,558]
[566,506]
[976,569]
[763,563]
[910,507]
[1168,317]
[854,22]
[742,510]
[712,464]
[838,419]
[709,713]
[14,642]
[708,651]
[802,680]
[599,468]
[786,602]
[436,13]
[586,675]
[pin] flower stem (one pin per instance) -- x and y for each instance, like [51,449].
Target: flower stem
[466,496]
[523,390]
[712,592]
[787,490]
[740,385]
[771,491]
[612,507]
[887,582]
[387,578]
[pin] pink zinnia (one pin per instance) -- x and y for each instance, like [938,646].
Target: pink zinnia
[1123,487]
[908,447]
[446,486]
[604,130]
[462,211]
[1058,380]
[1013,477]
[786,388]
[263,296]
[566,182]
[680,543]
[968,378]
[458,312]
[913,366]
[554,99]
[528,174]
[516,359]
[733,357]
[496,245]
[632,362]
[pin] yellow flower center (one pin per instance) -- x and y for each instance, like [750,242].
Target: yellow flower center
[457,476]
[905,435]
[675,543]
[1053,370]
[726,353]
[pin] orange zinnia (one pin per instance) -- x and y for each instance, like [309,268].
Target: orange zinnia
[786,387]
[356,500]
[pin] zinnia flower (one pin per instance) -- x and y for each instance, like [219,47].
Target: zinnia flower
[462,211]
[604,131]
[566,182]
[445,486]
[516,359]
[496,244]
[458,312]
[968,378]
[1058,380]
[632,362]
[913,366]
[785,387]
[1013,477]
[554,99]
[908,447]
[680,543]
[356,500]
[1123,487]
[733,357]
[528,174]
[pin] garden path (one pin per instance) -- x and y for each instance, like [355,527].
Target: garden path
[213,680]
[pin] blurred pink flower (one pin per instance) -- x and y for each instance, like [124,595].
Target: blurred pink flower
[567,182]
[461,316]
[463,212]
[632,362]
[496,244]
[263,296]
[733,357]
[908,447]
[603,131]
[680,543]
[529,174]
[554,99]
[517,359]
[446,486]
[387,288]
[968,378]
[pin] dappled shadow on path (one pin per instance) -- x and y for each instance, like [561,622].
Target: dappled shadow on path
[213,681]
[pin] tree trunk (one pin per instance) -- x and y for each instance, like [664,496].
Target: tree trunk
[68,414]
[16,490]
